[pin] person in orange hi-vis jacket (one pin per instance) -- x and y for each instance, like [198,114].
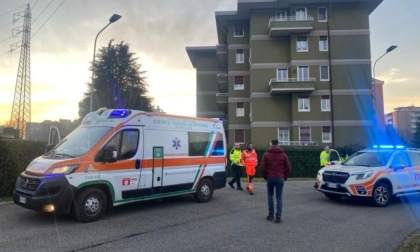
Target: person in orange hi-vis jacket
[250,160]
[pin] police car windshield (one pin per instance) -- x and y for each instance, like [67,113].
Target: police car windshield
[368,159]
[79,142]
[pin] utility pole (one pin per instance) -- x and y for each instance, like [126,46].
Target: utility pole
[21,109]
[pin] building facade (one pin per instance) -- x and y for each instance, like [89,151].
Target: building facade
[298,71]
[403,120]
[41,131]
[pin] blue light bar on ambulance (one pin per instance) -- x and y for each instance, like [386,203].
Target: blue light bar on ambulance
[388,147]
[119,113]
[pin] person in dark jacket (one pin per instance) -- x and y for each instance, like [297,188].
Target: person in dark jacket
[275,168]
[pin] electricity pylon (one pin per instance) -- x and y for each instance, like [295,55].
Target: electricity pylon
[21,109]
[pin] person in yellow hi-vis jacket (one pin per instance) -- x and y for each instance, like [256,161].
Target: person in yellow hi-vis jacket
[235,159]
[323,157]
[250,160]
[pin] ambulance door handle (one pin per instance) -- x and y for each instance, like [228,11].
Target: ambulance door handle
[158,178]
[138,164]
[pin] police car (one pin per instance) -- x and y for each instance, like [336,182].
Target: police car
[378,173]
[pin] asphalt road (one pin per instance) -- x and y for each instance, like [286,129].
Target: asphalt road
[232,221]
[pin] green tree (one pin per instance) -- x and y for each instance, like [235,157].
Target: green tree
[117,82]
[416,136]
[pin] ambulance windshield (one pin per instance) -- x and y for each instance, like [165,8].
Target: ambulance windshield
[368,159]
[79,142]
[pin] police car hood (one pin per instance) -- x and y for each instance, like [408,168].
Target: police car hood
[347,168]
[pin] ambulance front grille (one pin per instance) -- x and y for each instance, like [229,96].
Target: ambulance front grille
[29,183]
[335,177]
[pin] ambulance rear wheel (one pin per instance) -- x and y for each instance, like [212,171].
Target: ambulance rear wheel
[381,195]
[90,205]
[204,191]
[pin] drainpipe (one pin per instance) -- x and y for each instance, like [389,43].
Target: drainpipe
[330,73]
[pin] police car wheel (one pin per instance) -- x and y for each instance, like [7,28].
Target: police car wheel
[381,195]
[204,191]
[90,205]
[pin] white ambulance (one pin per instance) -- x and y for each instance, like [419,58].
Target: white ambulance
[379,173]
[117,156]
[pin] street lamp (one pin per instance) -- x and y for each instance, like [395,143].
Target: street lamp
[390,49]
[113,19]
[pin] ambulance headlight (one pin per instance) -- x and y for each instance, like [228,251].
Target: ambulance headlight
[66,169]
[362,175]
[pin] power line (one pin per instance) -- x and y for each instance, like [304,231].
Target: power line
[42,11]
[49,17]
[7,12]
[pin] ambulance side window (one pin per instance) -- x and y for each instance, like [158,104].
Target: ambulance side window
[126,143]
[129,144]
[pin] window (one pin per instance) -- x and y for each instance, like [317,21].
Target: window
[240,56]
[240,109]
[304,134]
[282,74]
[281,16]
[324,73]
[198,144]
[126,143]
[326,134]
[284,136]
[239,83]
[239,30]
[303,104]
[300,13]
[239,136]
[322,14]
[303,73]
[325,103]
[323,43]
[302,43]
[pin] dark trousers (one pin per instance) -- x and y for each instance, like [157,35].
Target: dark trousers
[277,185]
[237,173]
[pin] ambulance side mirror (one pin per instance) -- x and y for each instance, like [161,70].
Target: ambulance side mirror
[110,154]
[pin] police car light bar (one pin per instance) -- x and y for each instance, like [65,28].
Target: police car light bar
[388,147]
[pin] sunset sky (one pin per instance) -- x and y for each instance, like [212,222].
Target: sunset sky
[63,34]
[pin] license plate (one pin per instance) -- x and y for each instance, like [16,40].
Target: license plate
[22,200]
[332,185]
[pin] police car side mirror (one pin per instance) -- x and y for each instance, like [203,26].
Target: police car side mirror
[396,167]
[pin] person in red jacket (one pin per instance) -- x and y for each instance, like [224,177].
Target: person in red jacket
[275,168]
[249,159]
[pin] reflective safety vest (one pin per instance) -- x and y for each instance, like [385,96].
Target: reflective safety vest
[323,158]
[235,157]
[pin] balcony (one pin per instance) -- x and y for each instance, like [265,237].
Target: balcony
[298,143]
[222,101]
[222,81]
[285,26]
[291,85]
[222,55]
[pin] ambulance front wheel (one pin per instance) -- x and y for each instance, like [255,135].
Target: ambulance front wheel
[381,195]
[90,205]
[204,191]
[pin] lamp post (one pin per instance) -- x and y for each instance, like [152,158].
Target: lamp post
[390,49]
[113,19]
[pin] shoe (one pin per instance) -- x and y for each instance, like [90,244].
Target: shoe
[270,217]
[231,185]
[278,219]
[239,188]
[250,192]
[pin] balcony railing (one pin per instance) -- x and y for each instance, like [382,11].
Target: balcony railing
[284,26]
[222,55]
[291,85]
[222,101]
[298,143]
[222,81]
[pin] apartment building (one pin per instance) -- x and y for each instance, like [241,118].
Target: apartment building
[403,120]
[295,70]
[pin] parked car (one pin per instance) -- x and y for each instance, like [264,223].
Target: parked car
[379,173]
